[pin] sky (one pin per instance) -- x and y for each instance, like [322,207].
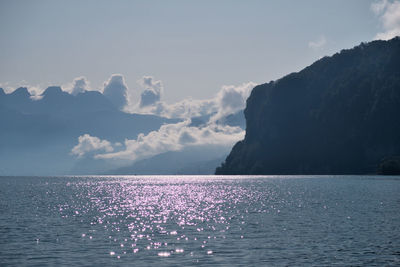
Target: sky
[176,59]
[191,48]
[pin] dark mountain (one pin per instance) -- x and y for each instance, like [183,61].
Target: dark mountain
[36,136]
[56,102]
[341,115]
[18,99]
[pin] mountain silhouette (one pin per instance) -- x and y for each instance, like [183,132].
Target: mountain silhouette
[37,134]
[191,160]
[340,115]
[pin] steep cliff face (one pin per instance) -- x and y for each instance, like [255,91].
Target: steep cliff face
[341,115]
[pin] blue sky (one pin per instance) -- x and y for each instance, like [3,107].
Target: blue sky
[193,47]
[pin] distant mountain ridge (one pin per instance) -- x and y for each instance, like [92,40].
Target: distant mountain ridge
[340,115]
[193,160]
[37,135]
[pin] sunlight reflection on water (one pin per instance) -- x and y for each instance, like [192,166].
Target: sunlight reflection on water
[162,213]
[172,220]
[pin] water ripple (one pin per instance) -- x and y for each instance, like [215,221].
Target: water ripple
[200,220]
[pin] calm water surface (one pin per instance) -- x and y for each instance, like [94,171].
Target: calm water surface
[204,220]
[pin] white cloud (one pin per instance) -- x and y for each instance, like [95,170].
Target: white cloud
[150,102]
[318,43]
[115,89]
[6,87]
[230,99]
[184,109]
[152,91]
[171,137]
[80,85]
[88,143]
[389,15]
[174,137]
[4,84]
[36,93]
[379,6]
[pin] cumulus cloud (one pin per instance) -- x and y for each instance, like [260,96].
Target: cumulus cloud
[318,43]
[230,99]
[80,85]
[389,15]
[88,143]
[183,109]
[152,91]
[171,137]
[115,89]
[174,137]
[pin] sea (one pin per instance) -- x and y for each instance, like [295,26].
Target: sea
[200,221]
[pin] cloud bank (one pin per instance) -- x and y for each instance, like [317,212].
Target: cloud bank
[170,137]
[183,109]
[229,100]
[389,15]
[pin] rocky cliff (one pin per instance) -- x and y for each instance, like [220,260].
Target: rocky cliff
[341,115]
